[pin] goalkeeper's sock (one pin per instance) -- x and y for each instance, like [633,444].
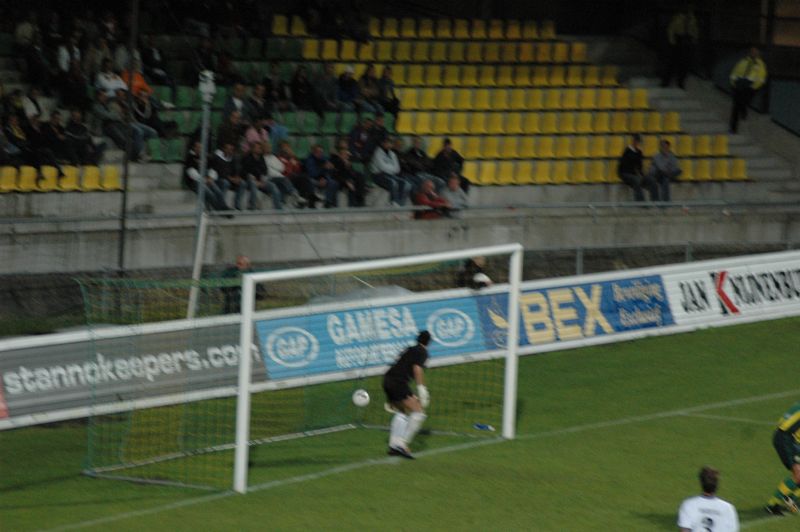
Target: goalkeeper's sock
[787,495]
[415,421]
[397,430]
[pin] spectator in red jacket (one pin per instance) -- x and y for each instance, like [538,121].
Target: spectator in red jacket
[427,196]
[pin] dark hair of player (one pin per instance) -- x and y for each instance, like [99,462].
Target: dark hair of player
[424,338]
[709,478]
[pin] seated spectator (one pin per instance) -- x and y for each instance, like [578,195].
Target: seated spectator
[111,117]
[145,112]
[32,103]
[68,52]
[631,172]
[277,92]
[136,83]
[256,133]
[327,88]
[231,130]
[204,58]
[369,91]
[97,53]
[385,168]
[348,178]
[75,88]
[230,177]
[56,140]
[416,164]
[40,146]
[37,65]
[378,131]
[234,102]
[302,92]
[256,107]
[154,65]
[276,173]
[360,138]
[388,97]
[293,170]
[108,81]
[10,155]
[427,196]
[139,128]
[471,274]
[213,194]
[455,196]
[447,162]
[25,33]
[664,168]
[254,171]
[348,92]
[277,132]
[81,139]
[320,171]
[17,138]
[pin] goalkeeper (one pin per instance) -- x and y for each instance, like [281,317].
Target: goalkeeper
[407,407]
[787,443]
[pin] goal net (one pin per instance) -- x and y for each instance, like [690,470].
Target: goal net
[198,415]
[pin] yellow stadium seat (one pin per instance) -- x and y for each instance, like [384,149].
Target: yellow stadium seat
[280,25]
[487,76]
[26,181]
[561,52]
[409,100]
[545,147]
[469,75]
[547,30]
[575,76]
[49,179]
[433,74]
[496,123]
[578,172]
[491,147]
[444,29]
[70,180]
[458,123]
[544,52]
[404,123]
[499,99]
[610,75]
[649,145]
[523,173]
[591,76]
[461,29]
[299,27]
[390,28]
[477,123]
[654,122]
[530,30]
[702,146]
[422,123]
[508,52]
[488,173]
[399,73]
[541,175]
[446,100]
[8,179]
[384,52]
[619,122]
[685,146]
[402,51]
[639,99]
[348,51]
[583,122]
[478,29]
[522,75]
[517,100]
[687,170]
[611,172]
[616,145]
[550,123]
[472,148]
[421,52]
[569,99]
[739,169]
[540,76]
[441,123]
[552,99]
[596,173]
[496,31]
[408,28]
[474,52]
[719,147]
[702,170]
[598,147]
[505,75]
[491,52]
[91,179]
[509,150]
[535,101]
[375,27]
[622,99]
[330,51]
[560,172]
[566,123]
[456,52]
[452,75]
[578,52]
[672,122]
[527,52]
[481,99]
[470,171]
[310,49]
[558,76]
[580,147]
[464,99]
[111,179]
[425,29]
[721,170]
[527,147]
[531,124]
[439,52]
[506,173]
[602,123]
[415,75]
[636,122]
[563,149]
[587,99]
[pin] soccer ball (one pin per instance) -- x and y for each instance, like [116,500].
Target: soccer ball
[360,397]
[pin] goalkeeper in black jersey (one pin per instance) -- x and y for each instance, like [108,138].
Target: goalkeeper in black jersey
[787,443]
[408,408]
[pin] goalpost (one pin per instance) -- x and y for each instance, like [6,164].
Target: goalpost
[297,343]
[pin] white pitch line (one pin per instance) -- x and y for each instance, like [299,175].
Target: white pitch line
[731,418]
[432,452]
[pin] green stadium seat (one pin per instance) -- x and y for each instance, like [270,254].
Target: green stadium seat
[156,150]
[185,97]
[348,122]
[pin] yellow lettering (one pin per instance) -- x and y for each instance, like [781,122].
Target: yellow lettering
[535,315]
[593,313]
[564,311]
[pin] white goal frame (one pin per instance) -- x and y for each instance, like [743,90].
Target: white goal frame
[515,251]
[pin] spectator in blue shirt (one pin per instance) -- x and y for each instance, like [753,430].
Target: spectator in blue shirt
[321,172]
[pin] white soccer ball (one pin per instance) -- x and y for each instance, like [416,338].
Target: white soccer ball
[360,397]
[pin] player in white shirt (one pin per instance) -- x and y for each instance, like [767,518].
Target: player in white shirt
[707,512]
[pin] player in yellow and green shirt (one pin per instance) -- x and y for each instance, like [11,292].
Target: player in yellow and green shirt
[787,443]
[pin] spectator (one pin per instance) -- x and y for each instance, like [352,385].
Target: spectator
[327,87]
[25,33]
[33,104]
[204,58]
[256,107]
[17,138]
[139,128]
[214,196]
[111,117]
[56,140]
[136,83]
[321,172]
[302,93]
[388,97]
[254,171]
[664,168]
[360,139]
[276,173]
[234,102]
[277,93]
[231,130]
[416,164]
[256,133]
[233,293]
[154,66]
[230,178]
[681,39]
[369,91]
[447,162]
[630,171]
[471,274]
[67,53]
[378,131]
[747,77]
[37,65]
[10,155]
[455,196]
[277,132]
[75,88]
[108,81]
[427,196]
[40,146]
[293,170]
[51,30]
[145,112]
[348,93]
[385,169]
[348,178]
[95,57]
[123,59]
[81,139]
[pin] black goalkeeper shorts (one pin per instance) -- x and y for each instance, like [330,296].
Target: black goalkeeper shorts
[785,447]
[396,391]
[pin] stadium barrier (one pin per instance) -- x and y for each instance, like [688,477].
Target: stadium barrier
[72,375]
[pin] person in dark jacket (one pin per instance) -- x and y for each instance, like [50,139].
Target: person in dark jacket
[321,172]
[348,178]
[447,162]
[630,170]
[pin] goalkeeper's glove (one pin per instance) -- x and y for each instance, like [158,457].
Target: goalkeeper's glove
[424,395]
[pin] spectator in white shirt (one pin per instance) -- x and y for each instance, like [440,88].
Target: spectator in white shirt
[109,81]
[385,168]
[67,53]
[707,511]
[455,196]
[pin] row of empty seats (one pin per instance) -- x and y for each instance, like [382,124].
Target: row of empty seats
[590,171]
[522,99]
[533,123]
[85,179]
[577,147]
[444,52]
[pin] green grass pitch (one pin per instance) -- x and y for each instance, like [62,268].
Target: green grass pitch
[610,438]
